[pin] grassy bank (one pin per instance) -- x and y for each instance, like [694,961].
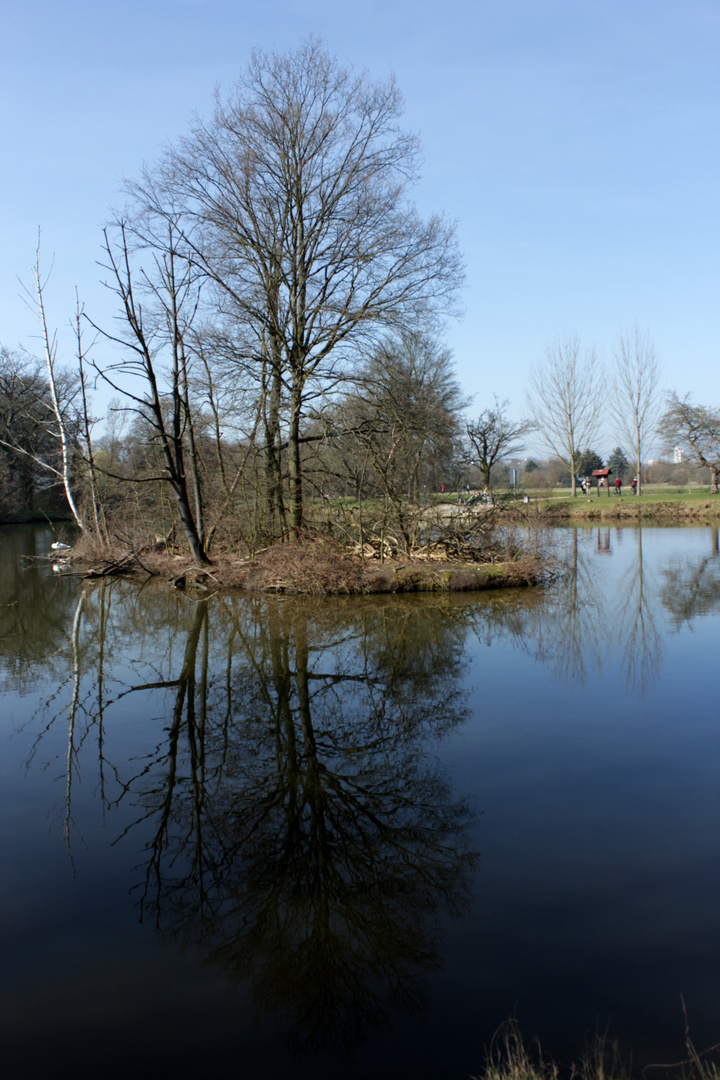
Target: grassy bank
[657,503]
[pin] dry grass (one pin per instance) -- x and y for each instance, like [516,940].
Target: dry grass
[509,1058]
[316,566]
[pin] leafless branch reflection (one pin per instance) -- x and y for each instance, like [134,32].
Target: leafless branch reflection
[294,822]
[692,589]
[639,641]
[282,791]
[302,834]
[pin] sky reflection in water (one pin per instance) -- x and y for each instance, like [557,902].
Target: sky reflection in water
[281,833]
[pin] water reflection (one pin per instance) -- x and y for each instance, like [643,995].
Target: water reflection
[598,619]
[271,760]
[691,589]
[34,613]
[316,866]
[575,630]
[295,827]
[567,627]
[639,640]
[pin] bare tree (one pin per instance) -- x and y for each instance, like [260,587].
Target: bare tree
[403,416]
[637,395]
[157,339]
[87,424]
[565,402]
[409,385]
[293,201]
[36,301]
[695,429]
[494,437]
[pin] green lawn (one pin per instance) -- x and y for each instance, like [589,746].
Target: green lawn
[559,496]
[652,493]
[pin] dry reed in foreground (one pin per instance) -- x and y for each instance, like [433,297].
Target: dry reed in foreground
[509,1058]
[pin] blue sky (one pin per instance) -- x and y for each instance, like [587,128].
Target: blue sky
[576,144]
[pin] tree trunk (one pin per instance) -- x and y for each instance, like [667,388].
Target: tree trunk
[197,549]
[193,458]
[294,470]
[273,460]
[172,448]
[49,350]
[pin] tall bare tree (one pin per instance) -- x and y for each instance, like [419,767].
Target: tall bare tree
[36,301]
[637,394]
[157,358]
[293,200]
[565,401]
[695,429]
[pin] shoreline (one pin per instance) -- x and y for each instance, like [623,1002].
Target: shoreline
[612,508]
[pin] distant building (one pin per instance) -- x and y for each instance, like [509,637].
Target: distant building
[677,455]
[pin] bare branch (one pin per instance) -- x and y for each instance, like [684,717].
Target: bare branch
[565,401]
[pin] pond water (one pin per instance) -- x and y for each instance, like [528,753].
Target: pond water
[350,837]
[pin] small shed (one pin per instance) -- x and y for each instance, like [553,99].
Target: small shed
[602,475]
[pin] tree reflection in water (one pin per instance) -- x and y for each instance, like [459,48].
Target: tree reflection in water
[693,589]
[567,627]
[576,623]
[301,832]
[34,612]
[639,642]
[296,825]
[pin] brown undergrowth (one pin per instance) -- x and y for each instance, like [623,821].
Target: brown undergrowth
[312,566]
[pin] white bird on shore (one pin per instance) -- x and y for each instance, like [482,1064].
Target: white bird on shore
[59,546]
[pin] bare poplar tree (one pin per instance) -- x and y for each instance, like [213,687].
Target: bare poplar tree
[293,201]
[565,401]
[637,394]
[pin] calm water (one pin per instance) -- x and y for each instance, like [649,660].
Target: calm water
[272,837]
